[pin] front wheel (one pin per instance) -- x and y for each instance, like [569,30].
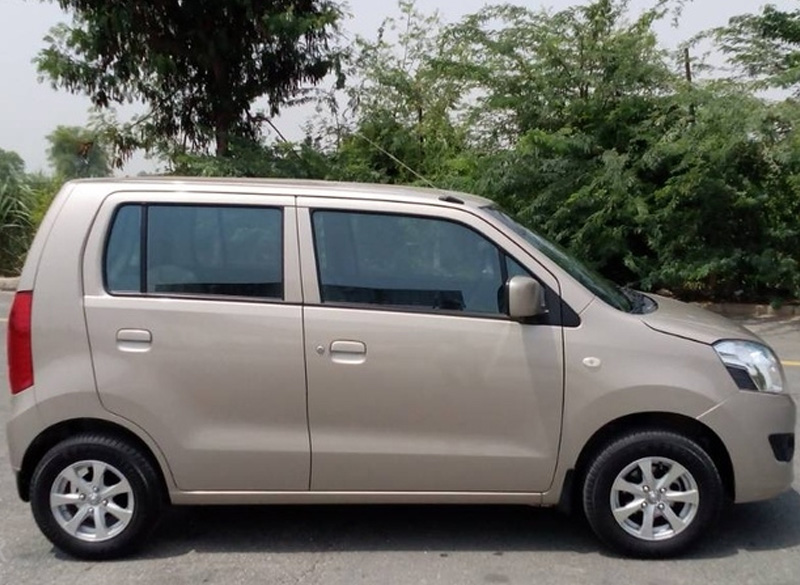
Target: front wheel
[95,497]
[652,493]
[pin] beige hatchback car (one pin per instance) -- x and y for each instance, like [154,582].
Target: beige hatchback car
[184,341]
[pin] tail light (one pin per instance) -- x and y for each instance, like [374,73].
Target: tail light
[20,356]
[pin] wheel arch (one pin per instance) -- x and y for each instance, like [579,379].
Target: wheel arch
[60,431]
[660,421]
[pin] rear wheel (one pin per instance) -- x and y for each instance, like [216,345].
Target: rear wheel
[95,497]
[652,493]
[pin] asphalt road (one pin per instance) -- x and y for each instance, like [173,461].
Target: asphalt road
[756,543]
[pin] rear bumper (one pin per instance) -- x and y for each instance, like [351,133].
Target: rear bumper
[23,425]
[21,429]
[757,429]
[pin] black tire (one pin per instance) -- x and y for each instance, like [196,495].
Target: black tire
[145,492]
[663,447]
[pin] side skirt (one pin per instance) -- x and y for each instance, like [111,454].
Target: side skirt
[194,498]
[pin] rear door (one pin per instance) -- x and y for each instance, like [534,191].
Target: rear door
[192,306]
[417,379]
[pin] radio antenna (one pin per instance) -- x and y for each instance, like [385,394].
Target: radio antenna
[398,161]
[373,144]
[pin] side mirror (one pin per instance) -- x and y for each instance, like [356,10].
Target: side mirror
[525,298]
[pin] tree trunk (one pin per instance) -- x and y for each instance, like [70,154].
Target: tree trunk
[222,125]
[221,133]
[420,136]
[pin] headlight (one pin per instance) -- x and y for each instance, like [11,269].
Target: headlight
[752,365]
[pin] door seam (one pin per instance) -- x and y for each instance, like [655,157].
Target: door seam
[304,340]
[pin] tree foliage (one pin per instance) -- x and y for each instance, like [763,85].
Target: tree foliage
[766,46]
[12,167]
[198,66]
[535,69]
[77,153]
[577,121]
[581,124]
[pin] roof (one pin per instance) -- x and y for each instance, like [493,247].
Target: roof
[295,187]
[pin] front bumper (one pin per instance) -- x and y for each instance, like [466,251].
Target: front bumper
[745,423]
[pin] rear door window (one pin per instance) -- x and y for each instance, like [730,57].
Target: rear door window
[201,250]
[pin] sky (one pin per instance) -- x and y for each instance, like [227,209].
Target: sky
[30,110]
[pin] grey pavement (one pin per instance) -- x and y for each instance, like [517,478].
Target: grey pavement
[8,283]
[755,544]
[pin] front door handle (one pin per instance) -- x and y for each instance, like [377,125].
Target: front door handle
[134,340]
[348,352]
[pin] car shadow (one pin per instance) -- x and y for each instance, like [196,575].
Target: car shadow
[442,530]
[760,526]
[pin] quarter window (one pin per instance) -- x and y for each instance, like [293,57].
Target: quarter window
[196,250]
[123,251]
[406,261]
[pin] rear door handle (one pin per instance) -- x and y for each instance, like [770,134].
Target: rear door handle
[355,347]
[348,352]
[134,340]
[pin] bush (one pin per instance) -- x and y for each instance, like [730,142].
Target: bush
[16,225]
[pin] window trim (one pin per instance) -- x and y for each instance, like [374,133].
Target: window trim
[144,207]
[556,316]
[144,227]
[414,310]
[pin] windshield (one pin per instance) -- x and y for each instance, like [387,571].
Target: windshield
[597,284]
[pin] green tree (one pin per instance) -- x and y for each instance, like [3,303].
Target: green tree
[580,124]
[12,167]
[765,45]
[248,159]
[564,110]
[723,197]
[587,67]
[76,153]
[197,66]
[401,124]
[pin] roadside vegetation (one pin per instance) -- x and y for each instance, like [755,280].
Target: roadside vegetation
[24,197]
[666,169]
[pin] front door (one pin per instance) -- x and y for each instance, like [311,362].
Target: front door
[196,334]
[417,379]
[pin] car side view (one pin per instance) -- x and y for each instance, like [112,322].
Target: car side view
[194,341]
